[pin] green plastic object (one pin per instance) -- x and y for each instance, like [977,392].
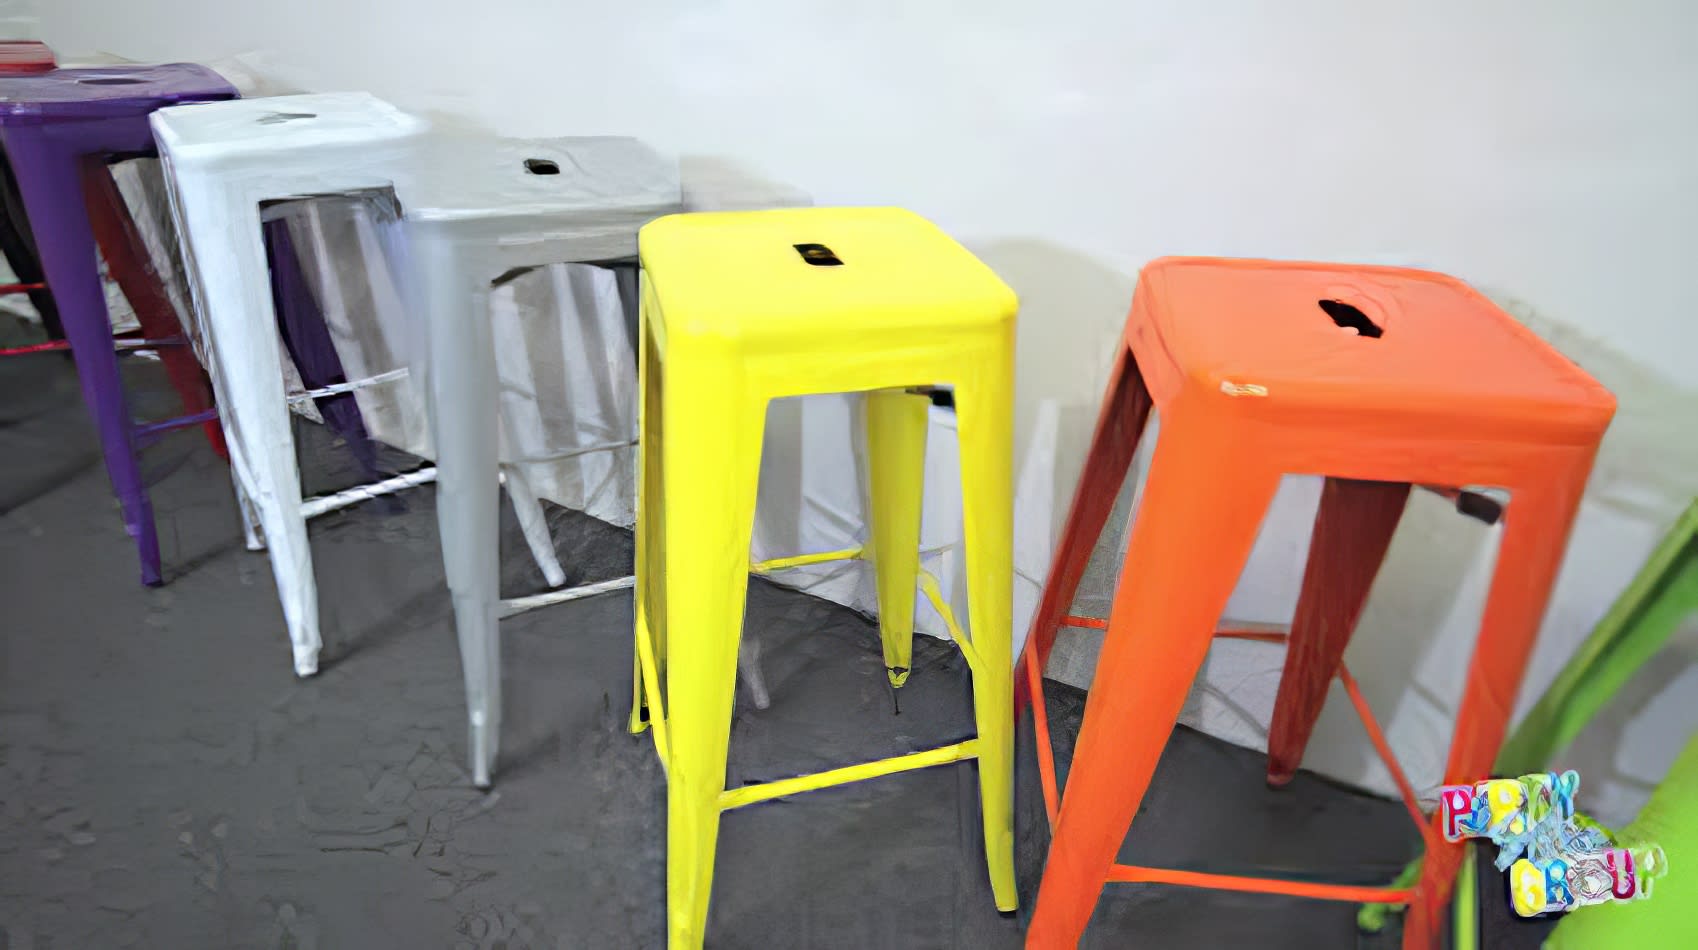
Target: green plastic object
[1638,624]
[1466,932]
[1666,917]
[1661,595]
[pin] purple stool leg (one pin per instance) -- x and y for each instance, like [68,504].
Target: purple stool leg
[307,338]
[19,248]
[53,198]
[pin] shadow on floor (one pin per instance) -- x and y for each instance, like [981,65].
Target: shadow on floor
[167,782]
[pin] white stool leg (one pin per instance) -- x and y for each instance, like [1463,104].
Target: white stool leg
[245,510]
[223,229]
[533,523]
[464,411]
[749,668]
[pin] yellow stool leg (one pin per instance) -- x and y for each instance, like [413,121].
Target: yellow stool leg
[896,450]
[711,467]
[648,599]
[984,408]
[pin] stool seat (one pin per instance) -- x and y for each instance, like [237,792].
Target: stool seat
[267,131]
[740,276]
[104,92]
[588,187]
[1433,351]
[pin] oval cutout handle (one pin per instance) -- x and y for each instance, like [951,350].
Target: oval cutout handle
[1348,316]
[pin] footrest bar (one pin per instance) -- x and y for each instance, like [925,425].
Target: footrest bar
[750,794]
[121,345]
[146,431]
[324,504]
[802,560]
[934,593]
[336,389]
[1349,893]
[518,605]
[1230,630]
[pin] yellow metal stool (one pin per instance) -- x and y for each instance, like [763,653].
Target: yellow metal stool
[742,308]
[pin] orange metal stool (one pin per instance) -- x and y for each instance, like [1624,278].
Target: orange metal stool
[1379,378]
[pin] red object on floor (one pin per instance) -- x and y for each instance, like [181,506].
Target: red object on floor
[1376,377]
[25,56]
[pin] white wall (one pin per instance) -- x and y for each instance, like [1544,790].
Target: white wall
[1546,152]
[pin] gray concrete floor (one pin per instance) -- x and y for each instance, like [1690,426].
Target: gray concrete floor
[166,781]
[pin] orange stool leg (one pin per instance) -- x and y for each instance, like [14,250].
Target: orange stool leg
[1353,529]
[1198,519]
[1120,424]
[1536,527]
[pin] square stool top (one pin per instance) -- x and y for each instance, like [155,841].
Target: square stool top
[827,271]
[1355,338]
[106,91]
[585,197]
[255,131]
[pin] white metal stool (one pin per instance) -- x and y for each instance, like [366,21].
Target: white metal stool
[221,167]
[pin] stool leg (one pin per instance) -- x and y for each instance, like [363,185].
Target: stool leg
[711,464]
[53,197]
[464,407]
[896,450]
[1353,529]
[307,337]
[128,262]
[532,521]
[1194,529]
[648,597]
[534,524]
[984,410]
[1120,424]
[241,328]
[251,535]
[1535,534]
[18,244]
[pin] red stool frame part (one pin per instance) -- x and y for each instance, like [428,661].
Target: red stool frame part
[131,267]
[1122,873]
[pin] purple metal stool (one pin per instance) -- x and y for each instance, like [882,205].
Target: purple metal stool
[50,123]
